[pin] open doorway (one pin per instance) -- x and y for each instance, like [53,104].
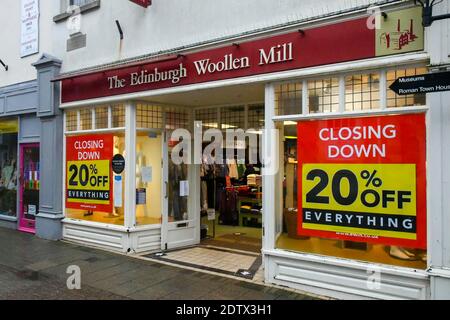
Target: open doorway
[224,197]
[231,188]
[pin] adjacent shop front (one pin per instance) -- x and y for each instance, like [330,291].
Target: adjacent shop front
[342,159]
[19,157]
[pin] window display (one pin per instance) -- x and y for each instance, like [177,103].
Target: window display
[91,186]
[382,237]
[8,171]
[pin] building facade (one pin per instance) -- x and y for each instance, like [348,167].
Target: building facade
[27,103]
[348,189]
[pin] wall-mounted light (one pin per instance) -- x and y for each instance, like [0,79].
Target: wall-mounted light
[4,65]
[302,32]
[180,55]
[385,15]
[119,27]
[237,45]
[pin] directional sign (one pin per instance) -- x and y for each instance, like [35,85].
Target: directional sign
[425,83]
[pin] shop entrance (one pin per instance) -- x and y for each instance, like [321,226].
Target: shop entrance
[212,215]
[29,186]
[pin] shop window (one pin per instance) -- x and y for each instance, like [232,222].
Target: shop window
[287,216]
[176,118]
[208,117]
[232,117]
[323,95]
[362,92]
[86,119]
[394,100]
[255,117]
[149,116]
[148,178]
[289,98]
[8,168]
[71,120]
[101,118]
[93,191]
[118,116]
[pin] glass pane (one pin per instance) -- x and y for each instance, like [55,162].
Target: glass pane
[288,99]
[8,171]
[101,118]
[148,178]
[208,117]
[232,117]
[323,95]
[86,119]
[149,116]
[71,120]
[118,116]
[256,117]
[178,187]
[31,181]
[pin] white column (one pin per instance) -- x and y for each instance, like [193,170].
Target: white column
[269,179]
[130,165]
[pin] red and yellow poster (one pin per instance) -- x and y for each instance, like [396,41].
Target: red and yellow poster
[363,179]
[88,172]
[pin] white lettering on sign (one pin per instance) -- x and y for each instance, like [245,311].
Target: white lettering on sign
[81,146]
[228,63]
[144,77]
[348,151]
[276,54]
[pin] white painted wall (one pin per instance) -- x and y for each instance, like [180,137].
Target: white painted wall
[20,69]
[169,24]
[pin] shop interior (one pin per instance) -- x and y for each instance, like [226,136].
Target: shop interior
[230,192]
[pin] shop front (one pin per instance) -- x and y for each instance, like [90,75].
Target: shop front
[19,157]
[338,190]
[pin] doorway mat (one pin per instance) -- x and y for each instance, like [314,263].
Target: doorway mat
[235,241]
[221,261]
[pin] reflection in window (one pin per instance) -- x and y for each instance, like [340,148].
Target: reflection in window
[362,92]
[323,95]
[288,98]
[394,100]
[292,241]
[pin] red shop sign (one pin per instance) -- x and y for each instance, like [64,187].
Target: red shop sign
[363,179]
[143,3]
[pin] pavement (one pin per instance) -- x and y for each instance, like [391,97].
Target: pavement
[36,269]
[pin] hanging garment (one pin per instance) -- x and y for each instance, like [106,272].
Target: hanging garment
[233,170]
